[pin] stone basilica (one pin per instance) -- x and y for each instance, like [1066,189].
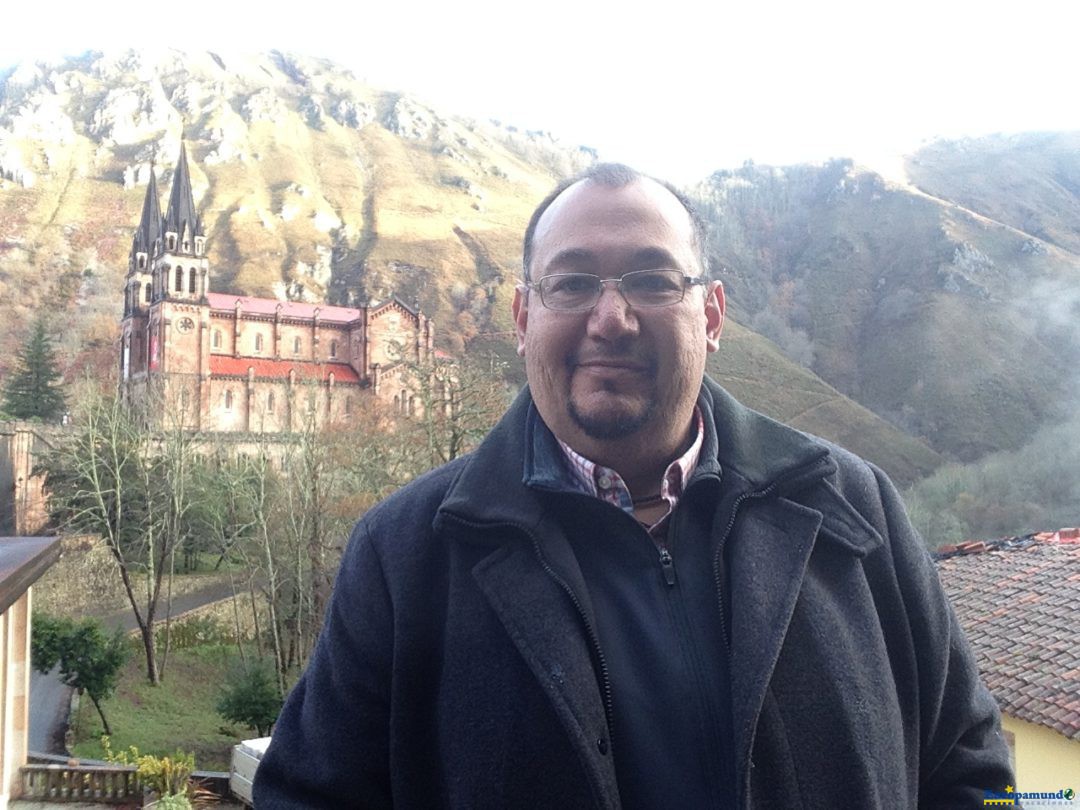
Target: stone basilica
[239,364]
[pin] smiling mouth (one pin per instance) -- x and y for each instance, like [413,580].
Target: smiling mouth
[613,365]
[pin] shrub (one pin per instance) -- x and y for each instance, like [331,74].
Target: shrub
[252,698]
[166,776]
[195,631]
[171,802]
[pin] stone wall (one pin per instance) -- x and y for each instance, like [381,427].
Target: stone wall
[22,498]
[85,581]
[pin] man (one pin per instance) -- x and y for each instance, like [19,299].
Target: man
[636,592]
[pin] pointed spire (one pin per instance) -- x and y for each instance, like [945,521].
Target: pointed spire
[149,229]
[181,211]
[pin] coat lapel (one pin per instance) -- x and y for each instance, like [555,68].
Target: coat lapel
[549,631]
[767,557]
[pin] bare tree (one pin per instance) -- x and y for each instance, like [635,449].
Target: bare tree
[459,402]
[119,478]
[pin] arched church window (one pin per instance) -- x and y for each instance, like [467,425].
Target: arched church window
[147,291]
[217,338]
[258,343]
[412,406]
[228,400]
[270,402]
[333,348]
[170,240]
[142,261]
[179,286]
[187,246]
[296,345]
[192,281]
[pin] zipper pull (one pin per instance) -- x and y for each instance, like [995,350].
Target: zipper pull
[667,566]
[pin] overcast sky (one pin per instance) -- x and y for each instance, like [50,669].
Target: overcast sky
[671,88]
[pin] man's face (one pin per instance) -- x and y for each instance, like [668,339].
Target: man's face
[616,372]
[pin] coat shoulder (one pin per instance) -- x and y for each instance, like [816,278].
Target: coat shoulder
[854,475]
[405,517]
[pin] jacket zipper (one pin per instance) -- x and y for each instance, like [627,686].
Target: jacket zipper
[720,550]
[594,639]
[667,565]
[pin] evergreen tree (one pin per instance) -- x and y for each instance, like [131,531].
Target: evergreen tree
[31,391]
[252,698]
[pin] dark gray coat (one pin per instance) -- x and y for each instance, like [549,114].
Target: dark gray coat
[457,666]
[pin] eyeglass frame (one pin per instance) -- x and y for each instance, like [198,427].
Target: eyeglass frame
[687,282]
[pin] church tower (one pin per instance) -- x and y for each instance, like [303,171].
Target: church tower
[138,288]
[181,271]
[166,311]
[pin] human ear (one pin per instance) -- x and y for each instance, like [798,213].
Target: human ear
[520,310]
[715,305]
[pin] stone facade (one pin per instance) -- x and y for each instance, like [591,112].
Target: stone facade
[234,363]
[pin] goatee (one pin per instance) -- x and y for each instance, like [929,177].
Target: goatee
[607,427]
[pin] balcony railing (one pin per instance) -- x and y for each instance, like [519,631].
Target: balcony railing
[106,784]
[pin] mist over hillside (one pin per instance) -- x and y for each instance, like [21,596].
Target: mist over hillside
[902,321]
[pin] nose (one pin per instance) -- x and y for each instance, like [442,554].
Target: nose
[612,317]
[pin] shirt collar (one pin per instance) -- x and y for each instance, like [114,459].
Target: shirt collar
[607,485]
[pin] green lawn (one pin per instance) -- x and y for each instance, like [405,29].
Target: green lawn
[177,714]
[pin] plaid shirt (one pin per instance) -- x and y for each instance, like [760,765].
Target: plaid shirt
[607,485]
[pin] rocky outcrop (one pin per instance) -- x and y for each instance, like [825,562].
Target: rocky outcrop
[407,119]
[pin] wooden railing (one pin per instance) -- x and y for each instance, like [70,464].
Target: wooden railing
[79,783]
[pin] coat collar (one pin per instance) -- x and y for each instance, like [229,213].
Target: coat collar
[499,483]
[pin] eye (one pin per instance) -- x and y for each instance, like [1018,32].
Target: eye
[653,282]
[571,283]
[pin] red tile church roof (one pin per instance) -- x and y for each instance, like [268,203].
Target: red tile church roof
[1017,600]
[289,309]
[226,365]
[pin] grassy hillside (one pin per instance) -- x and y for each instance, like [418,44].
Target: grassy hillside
[754,370]
[1030,182]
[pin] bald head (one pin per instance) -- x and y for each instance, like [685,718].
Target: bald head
[614,175]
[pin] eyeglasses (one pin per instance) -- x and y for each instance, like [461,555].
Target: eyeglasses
[577,292]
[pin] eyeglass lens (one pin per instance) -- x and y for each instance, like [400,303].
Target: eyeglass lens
[642,288]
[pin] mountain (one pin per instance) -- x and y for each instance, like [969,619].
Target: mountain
[313,185]
[929,303]
[1029,182]
[873,314]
